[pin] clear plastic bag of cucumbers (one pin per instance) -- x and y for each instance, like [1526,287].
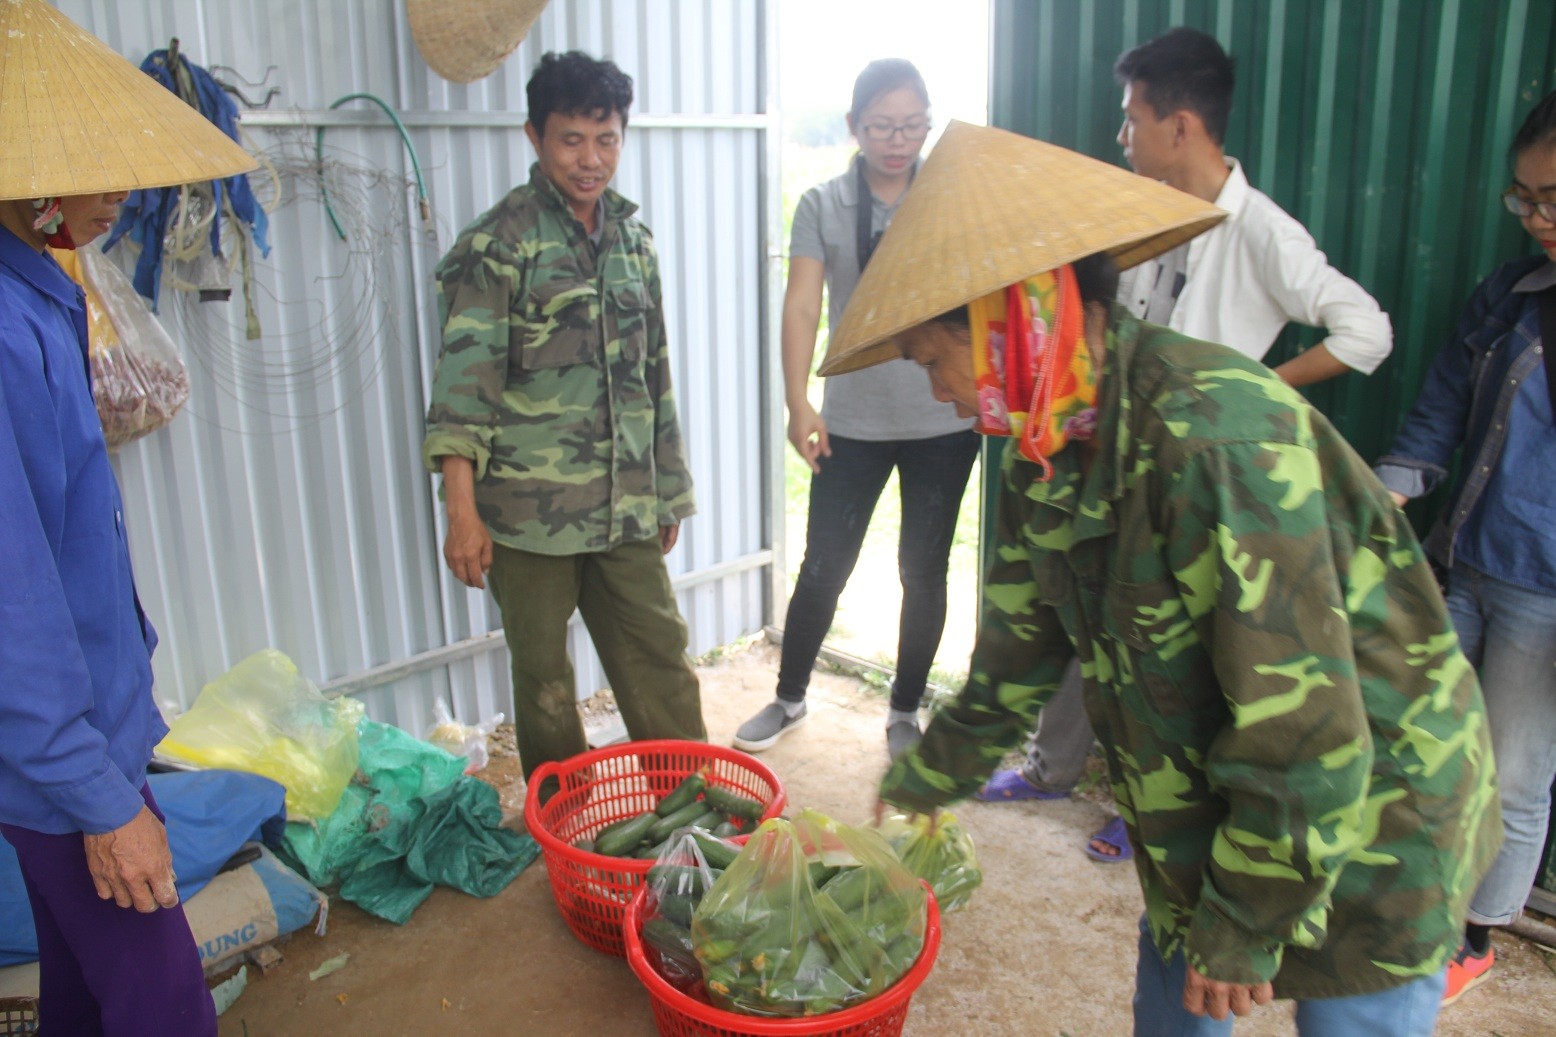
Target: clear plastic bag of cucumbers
[691,862]
[694,803]
[812,917]
[942,856]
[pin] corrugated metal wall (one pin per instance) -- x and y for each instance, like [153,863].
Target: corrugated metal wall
[287,507]
[1381,124]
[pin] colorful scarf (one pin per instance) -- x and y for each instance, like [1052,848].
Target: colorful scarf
[1034,373]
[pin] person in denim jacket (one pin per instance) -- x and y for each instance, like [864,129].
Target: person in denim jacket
[1488,393]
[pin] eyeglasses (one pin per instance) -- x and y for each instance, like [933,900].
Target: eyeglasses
[881,132]
[1523,208]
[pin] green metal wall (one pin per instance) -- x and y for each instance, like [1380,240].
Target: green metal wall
[1382,125]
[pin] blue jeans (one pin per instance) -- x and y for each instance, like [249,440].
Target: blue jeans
[931,476]
[1404,1011]
[1509,634]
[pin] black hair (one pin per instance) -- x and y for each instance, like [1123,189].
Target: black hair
[882,77]
[1096,276]
[576,84]
[1539,127]
[1183,70]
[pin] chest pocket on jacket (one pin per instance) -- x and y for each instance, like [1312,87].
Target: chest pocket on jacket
[629,305]
[560,327]
[1156,646]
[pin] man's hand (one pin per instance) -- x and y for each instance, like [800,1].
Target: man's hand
[882,808]
[1399,498]
[1205,996]
[808,433]
[132,865]
[668,535]
[468,550]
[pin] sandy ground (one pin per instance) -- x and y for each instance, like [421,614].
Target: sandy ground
[1046,948]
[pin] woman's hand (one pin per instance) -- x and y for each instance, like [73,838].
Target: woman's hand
[808,433]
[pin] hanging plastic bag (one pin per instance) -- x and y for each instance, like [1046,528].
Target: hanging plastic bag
[813,916]
[264,717]
[467,740]
[138,378]
[944,858]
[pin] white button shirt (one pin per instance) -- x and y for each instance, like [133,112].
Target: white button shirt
[1257,270]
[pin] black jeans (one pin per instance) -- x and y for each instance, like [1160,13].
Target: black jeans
[932,474]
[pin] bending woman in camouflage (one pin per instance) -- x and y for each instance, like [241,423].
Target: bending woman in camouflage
[1295,741]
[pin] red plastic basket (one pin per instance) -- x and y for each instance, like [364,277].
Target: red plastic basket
[680,1015]
[619,781]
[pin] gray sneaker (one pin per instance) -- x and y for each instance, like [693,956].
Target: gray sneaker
[902,736]
[771,724]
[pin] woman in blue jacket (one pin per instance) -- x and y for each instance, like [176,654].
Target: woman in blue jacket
[1491,392]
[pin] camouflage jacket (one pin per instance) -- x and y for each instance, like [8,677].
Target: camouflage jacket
[554,378]
[1295,741]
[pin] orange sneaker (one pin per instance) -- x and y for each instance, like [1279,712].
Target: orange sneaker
[1467,970]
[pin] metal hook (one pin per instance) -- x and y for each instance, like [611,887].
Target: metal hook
[235,74]
[248,102]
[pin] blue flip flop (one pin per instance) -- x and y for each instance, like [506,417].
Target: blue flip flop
[1115,835]
[1006,786]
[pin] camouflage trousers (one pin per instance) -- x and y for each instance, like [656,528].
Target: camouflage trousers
[625,598]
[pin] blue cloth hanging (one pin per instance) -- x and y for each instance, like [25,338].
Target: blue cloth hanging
[145,214]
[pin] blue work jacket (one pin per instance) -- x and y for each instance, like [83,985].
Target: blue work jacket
[1467,399]
[77,719]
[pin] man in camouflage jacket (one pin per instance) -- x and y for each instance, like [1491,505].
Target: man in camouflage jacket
[1294,739]
[553,424]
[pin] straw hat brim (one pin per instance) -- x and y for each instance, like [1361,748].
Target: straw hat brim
[465,40]
[76,118]
[990,208]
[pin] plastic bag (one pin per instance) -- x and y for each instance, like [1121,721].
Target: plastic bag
[467,740]
[264,717]
[410,820]
[138,378]
[689,865]
[943,858]
[812,917]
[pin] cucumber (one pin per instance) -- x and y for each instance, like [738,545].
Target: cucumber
[679,878]
[621,838]
[682,796]
[670,940]
[716,852]
[820,873]
[707,821]
[586,845]
[650,850]
[661,827]
[678,908]
[725,830]
[733,804]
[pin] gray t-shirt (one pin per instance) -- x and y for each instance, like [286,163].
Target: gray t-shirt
[888,401]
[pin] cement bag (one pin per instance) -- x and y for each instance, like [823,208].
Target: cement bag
[249,907]
[265,717]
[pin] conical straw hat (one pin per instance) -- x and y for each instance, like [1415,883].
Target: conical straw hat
[989,208]
[464,40]
[76,118]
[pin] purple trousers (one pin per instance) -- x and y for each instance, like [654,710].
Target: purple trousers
[106,970]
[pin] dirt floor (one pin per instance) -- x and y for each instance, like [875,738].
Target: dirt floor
[1046,948]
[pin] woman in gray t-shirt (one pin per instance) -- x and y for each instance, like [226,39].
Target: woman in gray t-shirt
[871,421]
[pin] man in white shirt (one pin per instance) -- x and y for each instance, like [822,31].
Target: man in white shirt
[1239,284]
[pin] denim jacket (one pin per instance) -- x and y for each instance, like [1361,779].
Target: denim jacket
[1467,397]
